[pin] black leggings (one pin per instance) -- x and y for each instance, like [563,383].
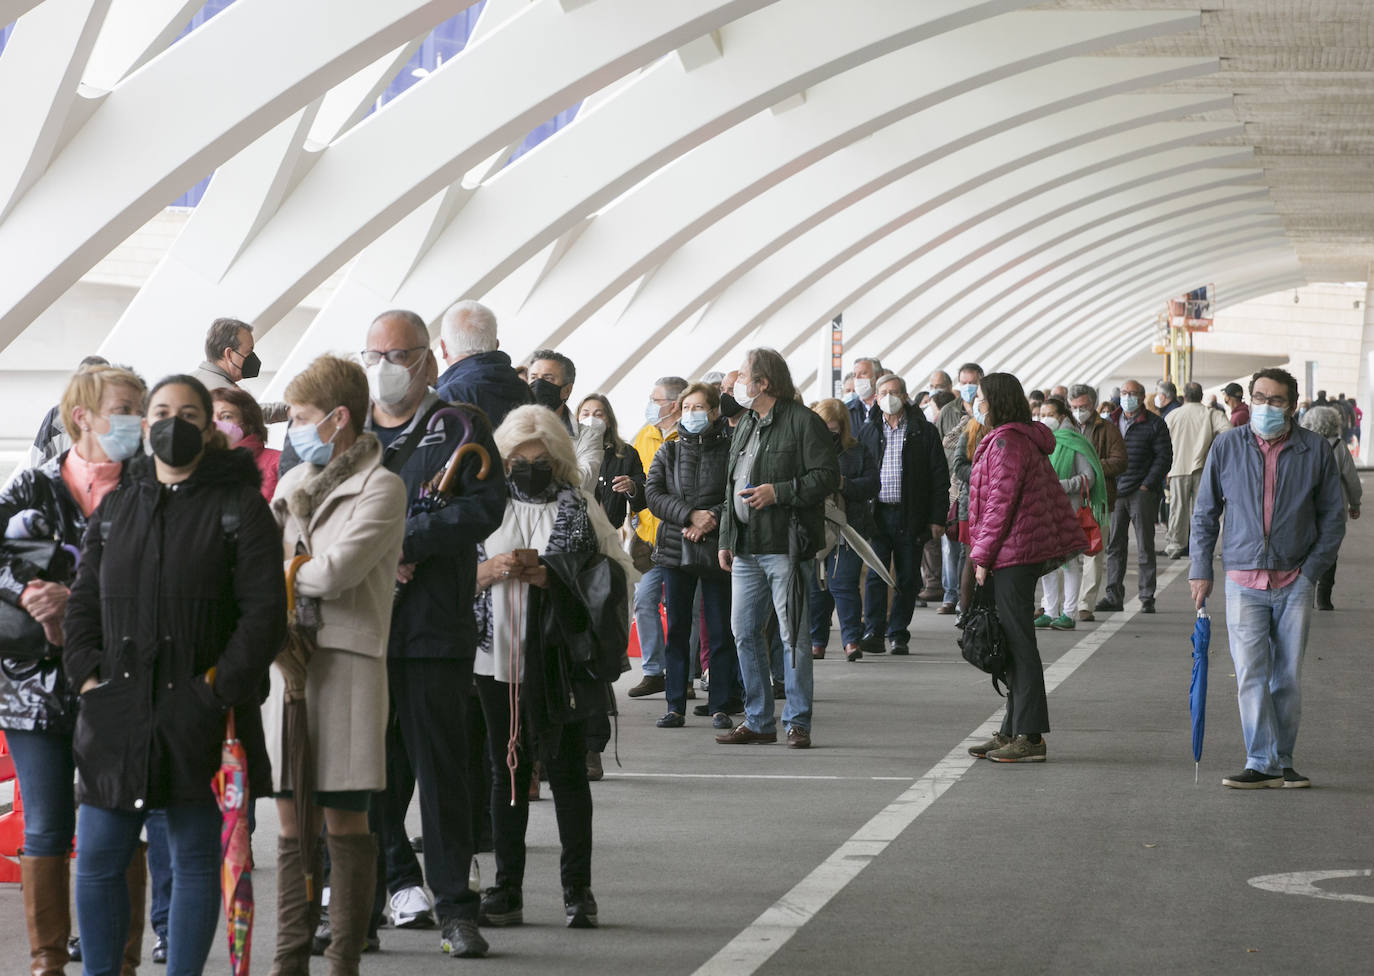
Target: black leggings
[572,797]
[1013,590]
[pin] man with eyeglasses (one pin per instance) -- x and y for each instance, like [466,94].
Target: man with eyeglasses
[1279,488]
[433,632]
[1138,491]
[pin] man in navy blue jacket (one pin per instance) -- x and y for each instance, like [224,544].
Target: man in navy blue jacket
[478,372]
[1149,453]
[433,633]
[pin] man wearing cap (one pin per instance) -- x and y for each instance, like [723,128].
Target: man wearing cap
[1235,400]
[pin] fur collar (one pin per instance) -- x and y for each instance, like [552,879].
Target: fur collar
[306,499]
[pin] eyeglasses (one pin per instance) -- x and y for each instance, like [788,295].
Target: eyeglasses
[1273,401]
[396,357]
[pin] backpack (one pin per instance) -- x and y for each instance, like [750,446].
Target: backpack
[983,642]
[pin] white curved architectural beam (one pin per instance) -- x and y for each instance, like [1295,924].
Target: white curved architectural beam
[134,32]
[126,162]
[890,232]
[738,177]
[343,202]
[44,60]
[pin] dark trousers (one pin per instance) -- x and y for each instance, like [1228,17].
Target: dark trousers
[572,796]
[895,545]
[1013,592]
[680,590]
[1327,583]
[841,594]
[1141,508]
[426,744]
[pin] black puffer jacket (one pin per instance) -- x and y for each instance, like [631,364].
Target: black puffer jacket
[34,695]
[688,474]
[859,486]
[613,503]
[155,606]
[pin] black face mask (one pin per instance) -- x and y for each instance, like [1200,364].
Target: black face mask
[530,479]
[547,394]
[729,406]
[176,442]
[251,366]
[835,437]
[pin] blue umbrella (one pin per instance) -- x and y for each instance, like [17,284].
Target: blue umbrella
[1197,690]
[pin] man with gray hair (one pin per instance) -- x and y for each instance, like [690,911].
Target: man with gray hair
[1111,453]
[1192,428]
[230,359]
[478,372]
[866,372]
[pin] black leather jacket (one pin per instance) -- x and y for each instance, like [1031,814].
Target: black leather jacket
[34,695]
[613,503]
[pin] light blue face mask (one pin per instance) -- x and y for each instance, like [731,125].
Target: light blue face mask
[1267,421]
[1130,403]
[981,417]
[124,439]
[695,421]
[305,441]
[851,398]
[969,391]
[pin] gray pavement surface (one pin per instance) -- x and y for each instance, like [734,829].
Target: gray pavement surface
[1105,859]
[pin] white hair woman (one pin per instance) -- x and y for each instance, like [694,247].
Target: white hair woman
[549,512]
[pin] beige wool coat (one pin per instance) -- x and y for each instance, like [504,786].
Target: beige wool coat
[350,517]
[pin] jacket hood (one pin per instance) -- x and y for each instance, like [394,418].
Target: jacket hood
[1038,434]
[235,467]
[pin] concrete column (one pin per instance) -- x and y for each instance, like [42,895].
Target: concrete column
[1366,384]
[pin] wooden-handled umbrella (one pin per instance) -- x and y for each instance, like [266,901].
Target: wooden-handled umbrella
[293,662]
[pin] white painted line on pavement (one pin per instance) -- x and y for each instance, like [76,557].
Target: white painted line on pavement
[746,952]
[866,779]
[1305,883]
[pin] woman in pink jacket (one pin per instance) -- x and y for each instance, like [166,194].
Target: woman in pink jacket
[1020,525]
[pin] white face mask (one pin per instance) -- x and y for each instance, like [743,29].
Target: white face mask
[932,412]
[388,383]
[1160,401]
[891,404]
[1082,415]
[592,423]
[1051,422]
[742,396]
[863,387]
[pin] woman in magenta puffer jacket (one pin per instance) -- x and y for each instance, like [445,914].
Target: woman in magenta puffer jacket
[1020,525]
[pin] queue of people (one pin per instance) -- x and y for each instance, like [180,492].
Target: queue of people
[466,553]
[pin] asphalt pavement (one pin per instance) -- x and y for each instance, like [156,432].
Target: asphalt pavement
[885,849]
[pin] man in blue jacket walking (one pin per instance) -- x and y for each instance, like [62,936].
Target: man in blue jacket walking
[1285,517]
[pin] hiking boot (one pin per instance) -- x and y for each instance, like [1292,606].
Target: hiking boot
[501,906]
[1251,779]
[1019,749]
[650,684]
[1063,622]
[579,908]
[996,742]
[1043,621]
[462,940]
[1294,780]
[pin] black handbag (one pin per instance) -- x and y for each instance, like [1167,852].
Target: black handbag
[22,637]
[983,642]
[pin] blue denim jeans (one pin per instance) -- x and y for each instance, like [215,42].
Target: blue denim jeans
[648,624]
[1268,634]
[159,871]
[952,568]
[46,771]
[840,596]
[106,841]
[758,588]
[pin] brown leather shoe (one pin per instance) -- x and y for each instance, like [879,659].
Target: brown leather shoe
[1086,615]
[817,653]
[798,737]
[650,684]
[743,735]
[947,609]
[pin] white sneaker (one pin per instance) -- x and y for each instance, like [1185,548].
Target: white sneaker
[411,908]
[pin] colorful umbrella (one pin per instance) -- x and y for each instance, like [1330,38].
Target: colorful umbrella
[293,663]
[236,878]
[1197,689]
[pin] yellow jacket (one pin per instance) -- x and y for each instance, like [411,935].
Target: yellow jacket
[646,443]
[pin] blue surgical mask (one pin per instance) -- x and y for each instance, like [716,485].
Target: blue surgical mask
[851,398]
[969,391]
[1130,403]
[652,413]
[1267,421]
[124,439]
[981,417]
[695,421]
[306,442]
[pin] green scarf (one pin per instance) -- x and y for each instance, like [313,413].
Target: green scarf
[1067,443]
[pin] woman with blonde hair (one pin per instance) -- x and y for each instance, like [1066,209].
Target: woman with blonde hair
[101,410]
[551,520]
[346,512]
[858,490]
